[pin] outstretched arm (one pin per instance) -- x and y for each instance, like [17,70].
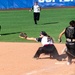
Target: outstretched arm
[24,36]
[31,38]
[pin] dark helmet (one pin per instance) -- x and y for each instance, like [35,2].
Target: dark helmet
[72,23]
[36,2]
[43,33]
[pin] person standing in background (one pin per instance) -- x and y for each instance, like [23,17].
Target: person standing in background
[36,12]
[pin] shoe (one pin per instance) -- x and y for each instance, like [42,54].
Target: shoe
[36,23]
[36,57]
[68,63]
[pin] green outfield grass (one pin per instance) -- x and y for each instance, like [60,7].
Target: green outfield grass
[52,20]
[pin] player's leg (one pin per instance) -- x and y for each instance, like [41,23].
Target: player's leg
[35,18]
[50,50]
[39,51]
[55,53]
[69,60]
[70,52]
[64,50]
[38,16]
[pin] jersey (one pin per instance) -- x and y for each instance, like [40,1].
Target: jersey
[44,40]
[70,32]
[36,8]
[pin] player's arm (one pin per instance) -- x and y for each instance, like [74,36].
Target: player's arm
[40,8]
[31,38]
[24,36]
[34,39]
[60,35]
[31,9]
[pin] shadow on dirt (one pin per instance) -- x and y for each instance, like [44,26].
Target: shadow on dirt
[59,58]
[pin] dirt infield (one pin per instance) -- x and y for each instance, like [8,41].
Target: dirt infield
[17,59]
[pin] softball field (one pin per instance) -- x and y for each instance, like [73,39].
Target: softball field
[17,59]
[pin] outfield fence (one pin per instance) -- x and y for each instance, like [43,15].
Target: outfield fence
[12,4]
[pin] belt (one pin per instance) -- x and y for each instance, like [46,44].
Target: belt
[70,40]
[48,44]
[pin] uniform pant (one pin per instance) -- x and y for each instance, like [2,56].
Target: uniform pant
[70,51]
[36,17]
[49,49]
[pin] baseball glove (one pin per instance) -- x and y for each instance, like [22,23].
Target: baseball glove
[23,35]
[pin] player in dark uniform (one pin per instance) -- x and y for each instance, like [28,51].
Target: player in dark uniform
[70,41]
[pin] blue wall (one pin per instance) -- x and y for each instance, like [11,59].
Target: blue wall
[10,4]
[7,4]
[56,3]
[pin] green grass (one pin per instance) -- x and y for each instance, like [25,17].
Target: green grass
[52,20]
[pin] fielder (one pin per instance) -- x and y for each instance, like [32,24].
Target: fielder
[47,45]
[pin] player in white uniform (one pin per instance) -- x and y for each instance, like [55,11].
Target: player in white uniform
[47,45]
[36,12]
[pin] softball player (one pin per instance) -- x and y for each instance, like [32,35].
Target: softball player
[47,45]
[36,12]
[70,41]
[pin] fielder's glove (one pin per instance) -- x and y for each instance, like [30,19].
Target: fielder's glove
[23,35]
